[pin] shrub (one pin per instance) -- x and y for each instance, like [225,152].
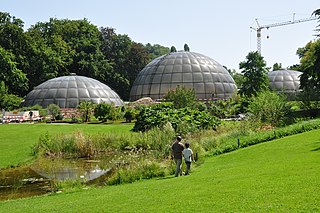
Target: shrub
[102,111]
[54,111]
[130,114]
[85,109]
[269,108]
[144,169]
[183,119]
[181,97]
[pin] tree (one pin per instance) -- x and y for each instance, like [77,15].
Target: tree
[8,101]
[67,46]
[173,49]
[156,50]
[186,48]
[12,76]
[237,77]
[86,109]
[269,108]
[115,113]
[310,66]
[13,48]
[54,111]
[130,114]
[127,58]
[181,97]
[255,75]
[136,60]
[277,66]
[102,111]
[50,53]
[317,13]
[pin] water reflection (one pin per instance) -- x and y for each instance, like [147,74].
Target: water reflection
[37,178]
[62,169]
[21,182]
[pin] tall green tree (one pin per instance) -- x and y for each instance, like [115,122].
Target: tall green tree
[237,77]
[317,13]
[127,58]
[14,46]
[156,50]
[50,53]
[12,76]
[277,66]
[67,46]
[137,59]
[173,49]
[86,109]
[310,66]
[186,48]
[8,101]
[255,75]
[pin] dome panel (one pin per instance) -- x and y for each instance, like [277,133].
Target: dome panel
[155,88]
[187,77]
[68,91]
[71,84]
[197,77]
[166,78]
[176,77]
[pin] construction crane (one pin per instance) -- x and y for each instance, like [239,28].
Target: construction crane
[259,28]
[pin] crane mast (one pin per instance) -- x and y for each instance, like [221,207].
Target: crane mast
[260,28]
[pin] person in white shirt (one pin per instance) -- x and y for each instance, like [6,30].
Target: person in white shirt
[188,157]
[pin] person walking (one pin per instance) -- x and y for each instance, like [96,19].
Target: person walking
[188,157]
[177,148]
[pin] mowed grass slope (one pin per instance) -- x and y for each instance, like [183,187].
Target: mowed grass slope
[278,176]
[16,140]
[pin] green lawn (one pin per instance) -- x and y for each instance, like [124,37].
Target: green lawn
[278,176]
[16,140]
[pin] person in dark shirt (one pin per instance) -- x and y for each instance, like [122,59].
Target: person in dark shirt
[177,148]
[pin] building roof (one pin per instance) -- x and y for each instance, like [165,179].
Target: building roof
[284,80]
[208,78]
[68,91]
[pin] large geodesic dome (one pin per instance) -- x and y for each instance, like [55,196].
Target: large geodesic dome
[208,78]
[68,91]
[287,81]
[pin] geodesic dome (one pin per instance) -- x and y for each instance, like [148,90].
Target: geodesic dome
[207,77]
[284,80]
[68,91]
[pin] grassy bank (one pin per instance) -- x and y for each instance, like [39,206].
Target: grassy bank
[277,176]
[16,139]
[241,136]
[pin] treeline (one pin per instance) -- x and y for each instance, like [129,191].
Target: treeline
[60,47]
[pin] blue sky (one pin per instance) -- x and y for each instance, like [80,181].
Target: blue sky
[218,29]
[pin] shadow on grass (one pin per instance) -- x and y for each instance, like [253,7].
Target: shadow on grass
[316,144]
[316,149]
[167,177]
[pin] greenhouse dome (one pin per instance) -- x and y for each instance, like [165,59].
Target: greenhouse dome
[68,91]
[286,81]
[208,78]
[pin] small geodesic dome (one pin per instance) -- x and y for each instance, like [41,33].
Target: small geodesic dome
[208,78]
[287,81]
[68,91]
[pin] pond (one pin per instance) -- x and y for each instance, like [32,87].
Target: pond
[41,177]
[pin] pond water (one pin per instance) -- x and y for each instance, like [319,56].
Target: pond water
[39,178]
